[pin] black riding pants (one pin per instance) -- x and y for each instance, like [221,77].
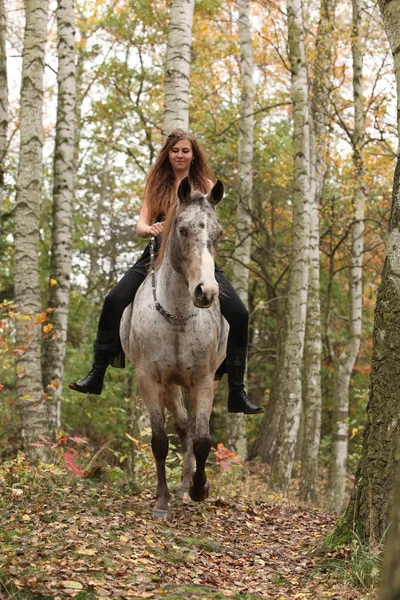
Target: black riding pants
[232,308]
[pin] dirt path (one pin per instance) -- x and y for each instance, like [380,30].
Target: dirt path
[92,540]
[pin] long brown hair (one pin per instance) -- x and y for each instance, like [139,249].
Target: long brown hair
[160,190]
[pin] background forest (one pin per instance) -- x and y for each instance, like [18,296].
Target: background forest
[346,93]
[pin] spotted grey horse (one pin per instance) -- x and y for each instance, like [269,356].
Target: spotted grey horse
[175,335]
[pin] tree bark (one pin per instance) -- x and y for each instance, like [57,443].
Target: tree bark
[368,512]
[3,98]
[343,366]
[313,341]
[390,589]
[296,305]
[237,423]
[177,72]
[266,442]
[63,196]
[33,408]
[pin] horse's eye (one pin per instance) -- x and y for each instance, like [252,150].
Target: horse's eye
[183,231]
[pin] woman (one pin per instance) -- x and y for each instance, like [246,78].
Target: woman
[180,157]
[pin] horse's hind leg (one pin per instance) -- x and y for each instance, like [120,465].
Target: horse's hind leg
[180,420]
[153,397]
[202,397]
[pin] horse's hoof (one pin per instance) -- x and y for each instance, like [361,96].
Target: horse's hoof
[200,492]
[161,514]
[182,494]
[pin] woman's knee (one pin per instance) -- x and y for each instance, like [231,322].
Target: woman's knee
[111,302]
[242,315]
[236,314]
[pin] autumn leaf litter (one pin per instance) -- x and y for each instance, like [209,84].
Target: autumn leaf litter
[93,539]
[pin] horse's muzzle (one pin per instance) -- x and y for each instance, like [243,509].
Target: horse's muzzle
[204,296]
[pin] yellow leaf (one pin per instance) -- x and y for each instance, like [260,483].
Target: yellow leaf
[26,518]
[75,585]
[123,539]
[47,328]
[53,282]
[87,551]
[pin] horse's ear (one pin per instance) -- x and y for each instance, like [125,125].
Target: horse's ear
[184,190]
[216,193]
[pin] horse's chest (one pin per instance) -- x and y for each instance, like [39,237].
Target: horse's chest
[180,344]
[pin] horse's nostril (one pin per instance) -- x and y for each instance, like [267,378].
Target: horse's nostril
[198,292]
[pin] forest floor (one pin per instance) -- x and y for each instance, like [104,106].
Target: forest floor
[87,538]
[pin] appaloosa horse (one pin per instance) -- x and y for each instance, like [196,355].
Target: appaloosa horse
[173,344]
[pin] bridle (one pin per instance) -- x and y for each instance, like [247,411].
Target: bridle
[167,316]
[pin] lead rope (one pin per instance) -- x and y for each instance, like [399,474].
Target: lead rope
[167,316]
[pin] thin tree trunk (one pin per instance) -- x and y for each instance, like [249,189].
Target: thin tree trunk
[266,442]
[237,423]
[29,385]
[313,339]
[298,275]
[343,366]
[63,196]
[368,513]
[3,98]
[97,225]
[177,72]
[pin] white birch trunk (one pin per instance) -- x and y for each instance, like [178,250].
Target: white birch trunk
[3,98]
[237,439]
[177,72]
[298,276]
[63,195]
[313,340]
[32,406]
[312,354]
[343,366]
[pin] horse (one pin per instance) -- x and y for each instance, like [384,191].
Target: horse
[175,336]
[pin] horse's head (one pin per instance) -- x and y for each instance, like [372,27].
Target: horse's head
[194,241]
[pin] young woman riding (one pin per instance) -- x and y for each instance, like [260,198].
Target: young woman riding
[180,157]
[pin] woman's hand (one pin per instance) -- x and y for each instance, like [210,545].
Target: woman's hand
[156,229]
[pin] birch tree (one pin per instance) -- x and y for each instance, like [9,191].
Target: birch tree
[237,423]
[296,304]
[63,195]
[368,512]
[177,71]
[3,97]
[33,408]
[343,365]
[313,342]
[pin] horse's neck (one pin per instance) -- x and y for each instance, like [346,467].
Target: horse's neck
[172,290]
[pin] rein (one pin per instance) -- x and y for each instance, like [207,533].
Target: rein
[167,316]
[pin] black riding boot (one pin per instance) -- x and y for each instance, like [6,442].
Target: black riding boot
[238,401]
[104,349]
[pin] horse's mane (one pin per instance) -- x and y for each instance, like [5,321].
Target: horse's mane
[167,228]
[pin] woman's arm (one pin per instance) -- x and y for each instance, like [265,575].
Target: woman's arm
[210,185]
[144,228]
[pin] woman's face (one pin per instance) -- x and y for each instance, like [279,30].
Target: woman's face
[181,156]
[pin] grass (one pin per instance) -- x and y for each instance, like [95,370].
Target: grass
[356,564]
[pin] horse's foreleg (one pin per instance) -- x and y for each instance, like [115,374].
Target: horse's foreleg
[159,445]
[202,406]
[153,397]
[181,424]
